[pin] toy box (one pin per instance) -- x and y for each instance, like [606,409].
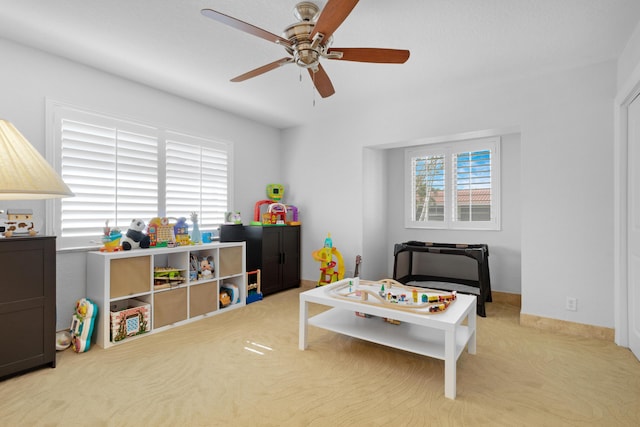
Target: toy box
[128,318]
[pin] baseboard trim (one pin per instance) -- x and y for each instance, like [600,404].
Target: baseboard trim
[308,284]
[507,298]
[567,328]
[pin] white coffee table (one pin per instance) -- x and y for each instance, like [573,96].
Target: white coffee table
[441,335]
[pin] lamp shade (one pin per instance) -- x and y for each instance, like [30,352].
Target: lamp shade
[24,173]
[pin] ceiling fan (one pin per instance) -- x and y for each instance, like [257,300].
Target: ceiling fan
[309,40]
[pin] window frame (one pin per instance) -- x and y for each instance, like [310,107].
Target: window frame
[57,111]
[449,150]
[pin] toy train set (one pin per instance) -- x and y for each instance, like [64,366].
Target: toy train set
[392,294]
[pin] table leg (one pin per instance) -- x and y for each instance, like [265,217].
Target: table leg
[302,334]
[471,323]
[450,363]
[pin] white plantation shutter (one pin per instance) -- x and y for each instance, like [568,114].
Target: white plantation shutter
[113,174]
[472,190]
[428,187]
[197,179]
[454,185]
[137,178]
[88,158]
[120,170]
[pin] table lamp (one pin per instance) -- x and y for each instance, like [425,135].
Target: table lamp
[24,173]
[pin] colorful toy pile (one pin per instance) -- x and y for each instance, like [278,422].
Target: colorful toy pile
[277,213]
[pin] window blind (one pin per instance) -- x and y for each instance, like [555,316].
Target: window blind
[196,180]
[428,187]
[120,170]
[453,185]
[113,174]
[472,192]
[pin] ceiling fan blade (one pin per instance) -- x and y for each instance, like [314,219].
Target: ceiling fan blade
[261,70]
[333,14]
[322,82]
[366,54]
[243,26]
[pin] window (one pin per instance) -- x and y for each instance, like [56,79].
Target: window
[196,179]
[454,185]
[120,170]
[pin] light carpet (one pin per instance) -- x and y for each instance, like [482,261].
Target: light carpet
[244,368]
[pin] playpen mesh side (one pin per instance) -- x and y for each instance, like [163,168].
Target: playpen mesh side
[436,270]
[445,266]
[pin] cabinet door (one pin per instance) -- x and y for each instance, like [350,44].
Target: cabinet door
[271,260]
[291,257]
[27,303]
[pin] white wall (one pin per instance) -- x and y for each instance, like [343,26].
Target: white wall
[630,57]
[376,198]
[29,76]
[566,141]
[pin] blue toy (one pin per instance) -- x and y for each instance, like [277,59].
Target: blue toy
[82,324]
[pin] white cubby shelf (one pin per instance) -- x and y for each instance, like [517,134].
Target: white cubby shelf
[113,277]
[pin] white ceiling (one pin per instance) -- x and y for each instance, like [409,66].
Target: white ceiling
[168,44]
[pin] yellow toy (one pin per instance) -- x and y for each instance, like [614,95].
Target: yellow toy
[324,255]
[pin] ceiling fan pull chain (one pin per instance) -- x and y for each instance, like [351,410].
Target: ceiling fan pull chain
[313,88]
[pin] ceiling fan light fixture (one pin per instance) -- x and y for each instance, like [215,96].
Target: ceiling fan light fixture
[306,57]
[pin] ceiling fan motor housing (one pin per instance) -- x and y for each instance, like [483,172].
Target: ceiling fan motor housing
[304,53]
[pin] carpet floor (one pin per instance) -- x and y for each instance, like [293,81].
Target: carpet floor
[244,368]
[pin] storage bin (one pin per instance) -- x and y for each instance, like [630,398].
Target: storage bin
[128,318]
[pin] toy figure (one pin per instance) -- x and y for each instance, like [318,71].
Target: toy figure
[181,232]
[225,299]
[206,267]
[328,273]
[135,237]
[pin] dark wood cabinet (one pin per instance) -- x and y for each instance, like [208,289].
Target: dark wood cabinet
[27,304]
[275,250]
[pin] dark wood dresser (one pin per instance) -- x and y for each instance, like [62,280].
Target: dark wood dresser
[27,304]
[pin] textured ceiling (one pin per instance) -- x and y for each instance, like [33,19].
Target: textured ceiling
[171,46]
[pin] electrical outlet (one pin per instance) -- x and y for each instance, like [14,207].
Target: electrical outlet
[572,304]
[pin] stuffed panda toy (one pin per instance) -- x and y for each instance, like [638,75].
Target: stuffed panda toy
[135,237]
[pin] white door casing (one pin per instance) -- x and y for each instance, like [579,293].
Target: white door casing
[633,225]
